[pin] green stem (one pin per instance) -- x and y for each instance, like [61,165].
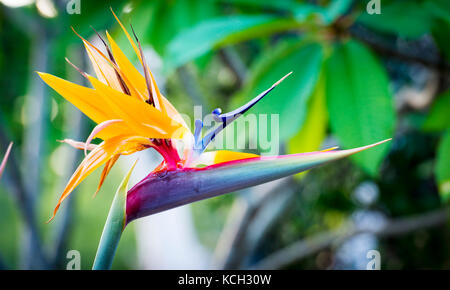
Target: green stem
[114,226]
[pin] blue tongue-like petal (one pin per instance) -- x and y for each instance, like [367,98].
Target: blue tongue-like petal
[225,119]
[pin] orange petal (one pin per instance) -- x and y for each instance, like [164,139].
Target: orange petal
[128,35]
[89,101]
[134,77]
[137,80]
[106,104]
[99,156]
[83,98]
[104,71]
[172,112]
[146,120]
[105,171]
[152,88]
[97,130]
[133,91]
[141,58]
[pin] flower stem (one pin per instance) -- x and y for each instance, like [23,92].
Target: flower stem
[114,226]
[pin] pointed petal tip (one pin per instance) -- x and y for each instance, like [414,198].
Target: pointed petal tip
[378,143]
[124,184]
[46,77]
[76,68]
[134,165]
[53,215]
[73,29]
[5,158]
[97,130]
[96,192]
[330,149]
[282,79]
[81,37]
[352,151]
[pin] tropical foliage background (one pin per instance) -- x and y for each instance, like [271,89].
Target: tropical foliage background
[358,78]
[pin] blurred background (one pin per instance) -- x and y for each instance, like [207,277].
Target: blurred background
[363,71]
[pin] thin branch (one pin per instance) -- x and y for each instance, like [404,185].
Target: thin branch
[23,203]
[3,265]
[232,60]
[28,25]
[27,189]
[36,105]
[75,123]
[439,64]
[309,246]
[190,85]
[233,244]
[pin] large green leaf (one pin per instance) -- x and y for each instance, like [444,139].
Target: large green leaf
[335,9]
[443,166]
[302,11]
[289,100]
[314,129]
[326,15]
[438,118]
[359,103]
[210,34]
[439,8]
[440,35]
[408,19]
[159,21]
[276,5]
[94,14]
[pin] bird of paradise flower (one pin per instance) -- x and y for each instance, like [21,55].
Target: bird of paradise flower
[132,115]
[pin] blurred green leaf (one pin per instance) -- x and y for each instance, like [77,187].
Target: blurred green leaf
[439,118]
[94,14]
[214,33]
[336,9]
[359,103]
[443,166]
[327,15]
[280,4]
[290,98]
[304,11]
[314,128]
[407,19]
[168,18]
[440,36]
[439,8]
